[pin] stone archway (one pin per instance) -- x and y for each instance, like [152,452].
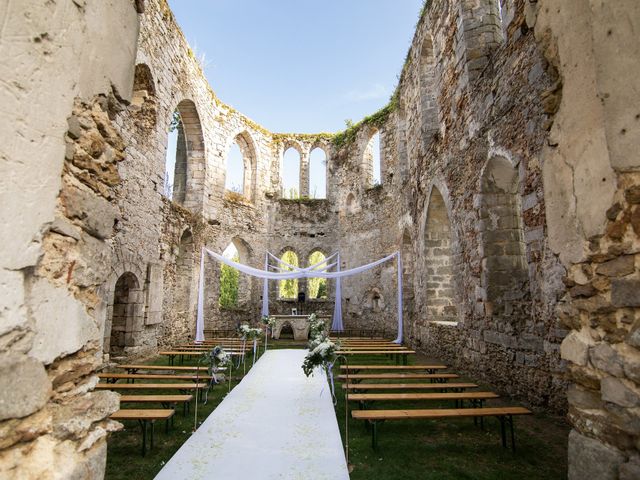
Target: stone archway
[126,318]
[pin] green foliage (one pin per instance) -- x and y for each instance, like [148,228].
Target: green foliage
[289,288]
[317,287]
[376,119]
[176,121]
[229,280]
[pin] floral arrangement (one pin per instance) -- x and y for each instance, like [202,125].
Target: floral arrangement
[268,321]
[322,354]
[317,327]
[218,359]
[249,333]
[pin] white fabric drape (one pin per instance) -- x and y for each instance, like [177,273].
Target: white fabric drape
[298,273]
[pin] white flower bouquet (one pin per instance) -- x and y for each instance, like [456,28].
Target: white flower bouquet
[249,333]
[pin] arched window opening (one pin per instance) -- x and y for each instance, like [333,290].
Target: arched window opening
[372,161]
[288,289]
[439,261]
[317,287]
[125,314]
[318,174]
[504,274]
[229,279]
[175,173]
[235,171]
[291,174]
[185,157]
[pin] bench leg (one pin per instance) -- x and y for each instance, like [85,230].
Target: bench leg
[503,433]
[513,436]
[152,429]
[143,425]
[374,434]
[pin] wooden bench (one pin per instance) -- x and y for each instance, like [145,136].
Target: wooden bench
[167,401]
[434,377]
[378,352]
[114,377]
[144,417]
[184,353]
[503,414]
[181,387]
[379,368]
[132,368]
[363,387]
[475,398]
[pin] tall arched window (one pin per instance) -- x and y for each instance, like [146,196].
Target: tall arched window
[229,279]
[429,120]
[288,289]
[318,174]
[234,178]
[185,157]
[290,174]
[372,162]
[317,287]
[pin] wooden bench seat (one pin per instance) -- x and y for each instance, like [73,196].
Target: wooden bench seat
[402,368]
[114,377]
[167,401]
[363,387]
[133,368]
[475,398]
[379,352]
[434,377]
[504,414]
[144,417]
[172,354]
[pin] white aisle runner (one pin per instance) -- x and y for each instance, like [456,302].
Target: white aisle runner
[276,424]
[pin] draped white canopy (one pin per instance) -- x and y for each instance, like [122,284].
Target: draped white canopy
[319,270]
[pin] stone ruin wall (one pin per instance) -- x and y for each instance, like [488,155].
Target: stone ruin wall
[60,160]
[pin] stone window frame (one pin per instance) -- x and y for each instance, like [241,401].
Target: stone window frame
[303,161]
[321,146]
[294,298]
[329,284]
[245,282]
[247,145]
[190,192]
[367,158]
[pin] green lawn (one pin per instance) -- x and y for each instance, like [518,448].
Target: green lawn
[442,449]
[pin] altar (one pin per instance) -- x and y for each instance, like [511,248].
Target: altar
[299,325]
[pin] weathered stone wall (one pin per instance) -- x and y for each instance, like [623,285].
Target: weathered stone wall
[60,156]
[592,197]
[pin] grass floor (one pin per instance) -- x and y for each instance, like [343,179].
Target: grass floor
[425,449]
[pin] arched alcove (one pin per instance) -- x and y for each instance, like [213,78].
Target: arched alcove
[184,273]
[143,101]
[351,205]
[440,291]
[125,314]
[235,287]
[429,118]
[408,271]
[504,267]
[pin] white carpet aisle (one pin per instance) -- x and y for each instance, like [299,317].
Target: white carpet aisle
[276,424]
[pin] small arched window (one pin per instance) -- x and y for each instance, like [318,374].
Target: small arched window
[234,178]
[372,161]
[317,287]
[229,279]
[290,174]
[288,289]
[318,174]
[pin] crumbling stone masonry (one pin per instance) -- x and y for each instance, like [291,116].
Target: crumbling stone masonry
[509,183]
